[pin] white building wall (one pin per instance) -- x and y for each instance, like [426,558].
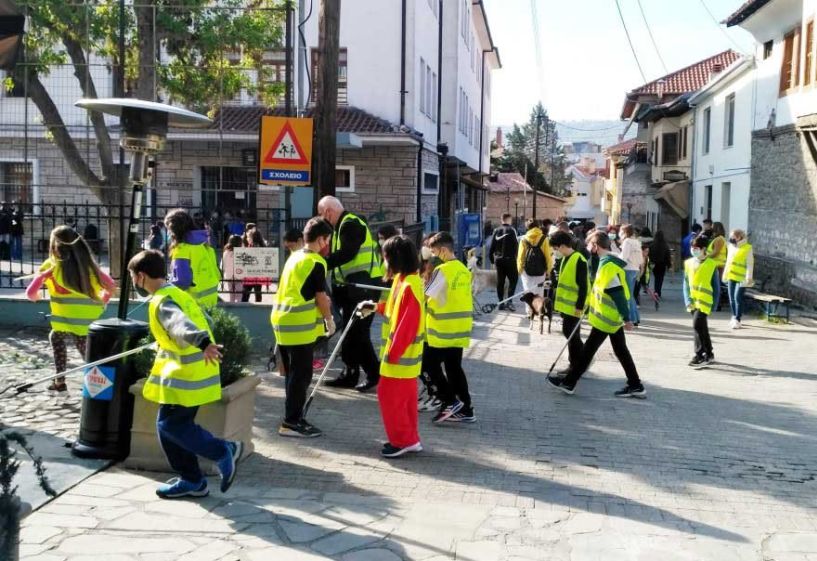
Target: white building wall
[726,169]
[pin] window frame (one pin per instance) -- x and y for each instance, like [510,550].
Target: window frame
[665,151]
[435,174]
[422,87]
[729,106]
[789,77]
[351,170]
[768,49]
[343,75]
[807,53]
[706,131]
[33,184]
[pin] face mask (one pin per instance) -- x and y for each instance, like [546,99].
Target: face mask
[435,260]
[612,236]
[697,252]
[733,241]
[140,290]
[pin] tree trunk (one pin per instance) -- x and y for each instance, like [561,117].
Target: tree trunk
[146,37]
[323,165]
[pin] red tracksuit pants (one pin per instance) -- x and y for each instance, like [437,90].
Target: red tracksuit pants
[398,407]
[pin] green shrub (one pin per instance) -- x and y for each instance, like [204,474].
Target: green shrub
[229,332]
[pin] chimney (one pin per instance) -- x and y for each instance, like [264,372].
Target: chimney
[661,84]
[717,68]
[499,137]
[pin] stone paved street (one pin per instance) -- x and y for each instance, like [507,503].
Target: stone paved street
[716,464]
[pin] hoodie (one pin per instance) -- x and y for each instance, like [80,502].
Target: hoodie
[614,290]
[533,237]
[181,274]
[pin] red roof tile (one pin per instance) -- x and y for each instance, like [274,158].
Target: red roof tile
[246,119]
[689,79]
[508,181]
[622,147]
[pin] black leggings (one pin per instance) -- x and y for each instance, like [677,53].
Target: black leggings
[245,292]
[591,346]
[297,361]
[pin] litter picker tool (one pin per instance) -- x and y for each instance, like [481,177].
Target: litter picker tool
[333,356]
[367,286]
[488,308]
[572,334]
[20,388]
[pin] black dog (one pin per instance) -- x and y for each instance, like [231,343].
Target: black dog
[538,306]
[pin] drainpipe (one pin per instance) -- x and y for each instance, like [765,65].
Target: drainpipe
[420,178]
[691,196]
[482,111]
[442,184]
[403,63]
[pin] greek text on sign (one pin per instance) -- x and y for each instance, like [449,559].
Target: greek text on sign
[258,264]
[98,383]
[285,147]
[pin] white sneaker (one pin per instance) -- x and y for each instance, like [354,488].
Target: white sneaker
[733,323]
[737,325]
[430,404]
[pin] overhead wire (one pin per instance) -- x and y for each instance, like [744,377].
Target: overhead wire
[630,41]
[721,29]
[654,44]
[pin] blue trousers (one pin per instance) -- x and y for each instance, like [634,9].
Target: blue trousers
[735,298]
[632,277]
[182,440]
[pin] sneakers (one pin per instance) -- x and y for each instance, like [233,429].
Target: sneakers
[431,403]
[734,324]
[447,411]
[178,488]
[632,391]
[510,307]
[227,465]
[347,379]
[301,429]
[390,451]
[318,364]
[463,416]
[502,306]
[702,361]
[559,384]
[369,384]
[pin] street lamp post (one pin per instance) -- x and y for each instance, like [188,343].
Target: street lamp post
[516,213]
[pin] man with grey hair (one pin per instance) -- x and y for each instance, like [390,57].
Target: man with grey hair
[354,259]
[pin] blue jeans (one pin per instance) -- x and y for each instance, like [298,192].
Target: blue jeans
[17,247]
[717,295]
[182,440]
[735,298]
[632,277]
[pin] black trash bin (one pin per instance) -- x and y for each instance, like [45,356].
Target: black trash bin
[107,406]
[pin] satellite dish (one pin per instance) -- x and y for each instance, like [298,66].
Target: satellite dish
[176,116]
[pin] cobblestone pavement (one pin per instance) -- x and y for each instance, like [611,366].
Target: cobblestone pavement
[716,464]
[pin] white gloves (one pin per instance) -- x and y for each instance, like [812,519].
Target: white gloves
[366,308]
[330,326]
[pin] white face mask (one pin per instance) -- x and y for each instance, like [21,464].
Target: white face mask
[697,252]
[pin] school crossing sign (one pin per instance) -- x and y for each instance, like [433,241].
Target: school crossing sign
[285,151]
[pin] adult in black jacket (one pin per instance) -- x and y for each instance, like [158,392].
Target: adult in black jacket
[351,241]
[504,248]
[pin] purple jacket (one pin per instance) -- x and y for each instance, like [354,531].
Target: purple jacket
[181,273]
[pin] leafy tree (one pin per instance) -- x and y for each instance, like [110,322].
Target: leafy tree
[192,52]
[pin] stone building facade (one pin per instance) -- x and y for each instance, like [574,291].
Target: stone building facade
[783,213]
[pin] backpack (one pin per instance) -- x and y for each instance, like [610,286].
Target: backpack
[535,263]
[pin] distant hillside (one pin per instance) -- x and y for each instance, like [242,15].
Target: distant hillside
[601,132]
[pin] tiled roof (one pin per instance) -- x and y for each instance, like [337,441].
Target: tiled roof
[505,181]
[246,119]
[689,79]
[744,12]
[622,147]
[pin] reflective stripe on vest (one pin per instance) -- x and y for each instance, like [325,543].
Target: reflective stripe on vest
[367,258]
[720,258]
[296,321]
[205,271]
[603,313]
[450,325]
[180,376]
[700,283]
[736,266]
[71,311]
[384,327]
[410,364]
[567,291]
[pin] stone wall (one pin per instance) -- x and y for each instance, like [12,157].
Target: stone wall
[783,214]
[636,191]
[546,207]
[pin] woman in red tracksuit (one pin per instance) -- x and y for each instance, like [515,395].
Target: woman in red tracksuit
[403,354]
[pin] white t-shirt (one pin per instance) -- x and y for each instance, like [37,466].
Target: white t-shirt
[631,253]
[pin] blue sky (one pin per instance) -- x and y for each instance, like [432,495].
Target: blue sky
[588,65]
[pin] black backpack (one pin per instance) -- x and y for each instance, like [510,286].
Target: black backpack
[535,263]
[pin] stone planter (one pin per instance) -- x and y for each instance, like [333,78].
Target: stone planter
[231,419]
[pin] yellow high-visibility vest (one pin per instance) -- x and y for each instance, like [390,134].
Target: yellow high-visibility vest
[450,325]
[603,313]
[296,321]
[736,265]
[700,283]
[180,376]
[567,291]
[71,311]
[410,364]
[206,275]
[367,259]
[384,327]
[720,258]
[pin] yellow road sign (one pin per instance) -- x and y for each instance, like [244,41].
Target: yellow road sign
[285,151]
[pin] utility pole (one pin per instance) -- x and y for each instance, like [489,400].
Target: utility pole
[536,159]
[326,108]
[288,94]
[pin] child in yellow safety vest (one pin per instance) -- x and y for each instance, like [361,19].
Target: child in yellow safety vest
[184,376]
[738,273]
[449,321]
[700,286]
[402,357]
[78,290]
[194,267]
